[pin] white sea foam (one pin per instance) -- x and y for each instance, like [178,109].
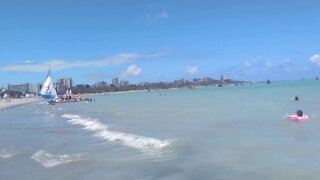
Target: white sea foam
[7,153]
[49,160]
[45,112]
[118,113]
[48,113]
[131,140]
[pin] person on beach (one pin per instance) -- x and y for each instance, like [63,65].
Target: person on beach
[296,98]
[299,113]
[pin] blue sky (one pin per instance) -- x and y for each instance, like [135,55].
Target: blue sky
[158,40]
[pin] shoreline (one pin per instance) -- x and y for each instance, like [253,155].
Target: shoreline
[110,93]
[153,90]
[11,103]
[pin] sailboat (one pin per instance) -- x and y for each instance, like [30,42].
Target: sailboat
[68,97]
[47,91]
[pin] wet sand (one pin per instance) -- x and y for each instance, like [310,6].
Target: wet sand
[9,103]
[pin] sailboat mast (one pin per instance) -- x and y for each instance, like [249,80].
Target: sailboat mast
[49,73]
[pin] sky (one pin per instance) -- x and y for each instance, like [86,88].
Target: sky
[158,40]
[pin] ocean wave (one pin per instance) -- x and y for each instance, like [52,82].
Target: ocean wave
[38,111]
[49,160]
[42,102]
[44,112]
[131,140]
[8,152]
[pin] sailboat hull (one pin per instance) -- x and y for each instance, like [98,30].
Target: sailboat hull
[46,97]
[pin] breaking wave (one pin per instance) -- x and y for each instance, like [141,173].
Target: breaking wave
[131,140]
[49,160]
[7,153]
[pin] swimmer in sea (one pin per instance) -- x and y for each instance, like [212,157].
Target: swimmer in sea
[299,113]
[296,98]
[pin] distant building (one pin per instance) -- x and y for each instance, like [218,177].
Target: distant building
[35,88]
[63,84]
[223,78]
[115,82]
[181,81]
[124,83]
[23,88]
[83,86]
[59,86]
[207,79]
[196,80]
[100,84]
[2,90]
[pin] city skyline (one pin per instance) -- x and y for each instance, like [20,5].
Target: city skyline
[156,41]
[64,85]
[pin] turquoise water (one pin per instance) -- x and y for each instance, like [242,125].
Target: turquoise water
[233,132]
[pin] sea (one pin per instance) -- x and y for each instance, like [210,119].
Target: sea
[223,133]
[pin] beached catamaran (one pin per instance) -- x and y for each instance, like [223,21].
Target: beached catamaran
[47,91]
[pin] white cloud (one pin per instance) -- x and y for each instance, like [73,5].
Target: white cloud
[163,14]
[268,64]
[257,61]
[306,69]
[27,62]
[56,65]
[96,75]
[247,64]
[287,60]
[315,59]
[154,18]
[286,65]
[259,64]
[191,70]
[132,70]
[261,67]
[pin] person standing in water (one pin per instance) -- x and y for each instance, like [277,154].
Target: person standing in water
[296,98]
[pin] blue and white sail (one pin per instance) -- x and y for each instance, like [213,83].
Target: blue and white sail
[47,91]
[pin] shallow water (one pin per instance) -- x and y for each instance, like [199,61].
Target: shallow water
[234,132]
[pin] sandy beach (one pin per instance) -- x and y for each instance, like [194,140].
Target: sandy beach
[9,103]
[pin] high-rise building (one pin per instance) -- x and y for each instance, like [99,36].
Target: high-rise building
[223,78]
[100,84]
[63,84]
[196,80]
[24,88]
[35,88]
[115,82]
[59,86]
[124,83]
[207,79]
